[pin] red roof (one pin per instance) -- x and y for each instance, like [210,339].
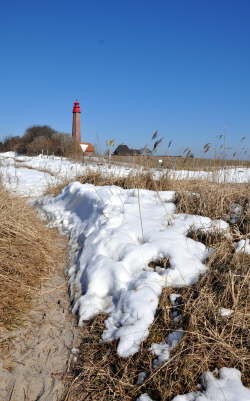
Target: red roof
[90,147]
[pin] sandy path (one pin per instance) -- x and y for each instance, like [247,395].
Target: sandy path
[37,356]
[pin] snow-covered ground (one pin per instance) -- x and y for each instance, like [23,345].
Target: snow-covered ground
[57,169]
[31,176]
[114,235]
[26,182]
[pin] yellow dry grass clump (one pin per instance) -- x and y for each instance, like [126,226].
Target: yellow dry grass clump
[27,255]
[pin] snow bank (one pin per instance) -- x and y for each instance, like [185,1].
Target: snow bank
[112,247]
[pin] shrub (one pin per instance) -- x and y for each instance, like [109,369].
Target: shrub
[40,139]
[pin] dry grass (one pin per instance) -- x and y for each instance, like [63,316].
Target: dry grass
[133,180]
[173,162]
[27,255]
[214,200]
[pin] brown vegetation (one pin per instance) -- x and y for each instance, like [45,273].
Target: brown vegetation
[178,163]
[40,139]
[27,255]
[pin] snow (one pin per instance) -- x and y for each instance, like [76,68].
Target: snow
[174,298]
[176,302]
[224,312]
[109,269]
[144,397]
[58,169]
[25,182]
[162,351]
[141,377]
[21,180]
[228,387]
[243,246]
[231,175]
[62,167]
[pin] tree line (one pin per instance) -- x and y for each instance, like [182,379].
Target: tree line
[39,139]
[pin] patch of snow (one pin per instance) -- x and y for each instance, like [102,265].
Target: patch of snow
[141,377]
[162,351]
[174,338]
[225,312]
[228,387]
[176,302]
[243,246]
[173,298]
[144,397]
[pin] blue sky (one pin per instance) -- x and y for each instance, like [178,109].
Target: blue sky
[180,66]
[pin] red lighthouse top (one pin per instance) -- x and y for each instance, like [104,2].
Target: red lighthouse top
[76,107]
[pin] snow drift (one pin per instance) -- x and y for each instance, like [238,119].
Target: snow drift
[114,234]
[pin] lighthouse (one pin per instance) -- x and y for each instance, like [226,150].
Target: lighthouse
[76,132]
